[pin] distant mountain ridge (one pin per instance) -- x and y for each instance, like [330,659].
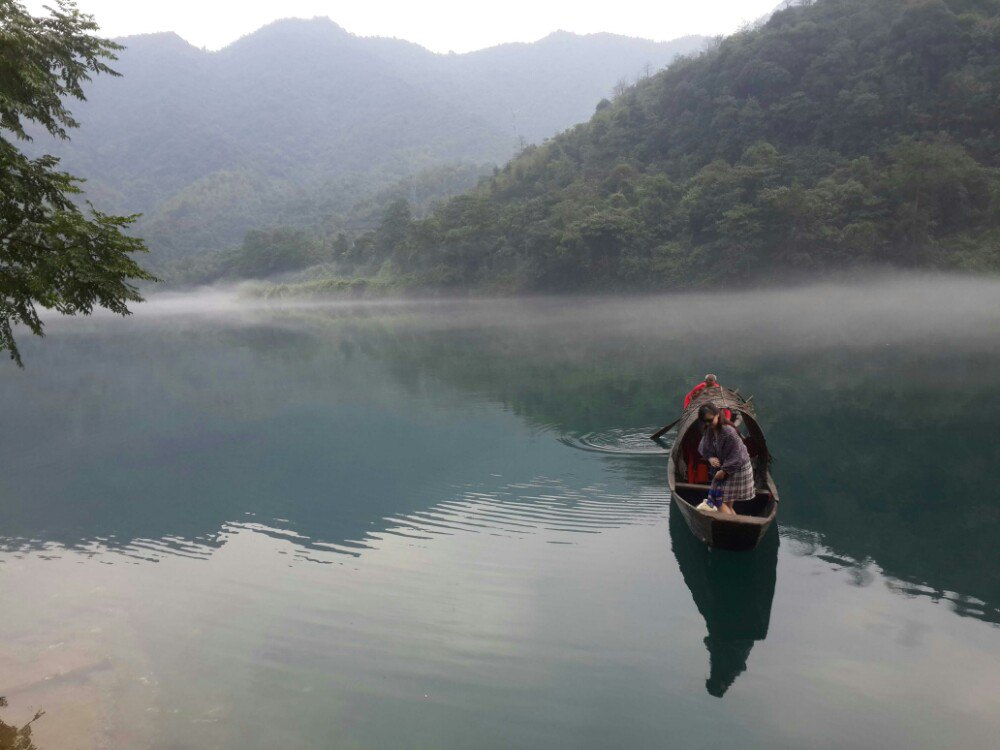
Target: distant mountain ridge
[211,144]
[836,133]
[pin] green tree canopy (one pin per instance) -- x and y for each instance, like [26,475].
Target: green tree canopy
[836,134]
[52,254]
[269,251]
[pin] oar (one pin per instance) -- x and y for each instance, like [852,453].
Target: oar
[660,433]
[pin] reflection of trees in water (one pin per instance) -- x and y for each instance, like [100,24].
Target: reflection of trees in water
[733,591]
[14,737]
[215,400]
[875,448]
[875,445]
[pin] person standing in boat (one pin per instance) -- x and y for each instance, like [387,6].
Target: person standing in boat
[698,472]
[723,448]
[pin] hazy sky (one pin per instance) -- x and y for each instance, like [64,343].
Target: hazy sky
[440,25]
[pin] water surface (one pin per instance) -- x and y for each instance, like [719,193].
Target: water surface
[438,525]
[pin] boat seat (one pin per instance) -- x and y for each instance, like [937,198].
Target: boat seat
[706,487]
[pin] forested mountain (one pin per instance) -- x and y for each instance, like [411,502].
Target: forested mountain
[301,118]
[321,230]
[837,133]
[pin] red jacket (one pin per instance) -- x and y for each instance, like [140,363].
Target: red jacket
[694,392]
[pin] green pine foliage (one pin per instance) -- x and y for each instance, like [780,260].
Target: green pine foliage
[838,133]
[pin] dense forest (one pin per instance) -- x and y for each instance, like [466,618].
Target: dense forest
[321,230]
[301,119]
[837,133]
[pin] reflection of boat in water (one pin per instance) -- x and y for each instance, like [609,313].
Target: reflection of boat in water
[733,593]
[716,529]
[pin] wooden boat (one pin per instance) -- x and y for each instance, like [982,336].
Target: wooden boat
[741,532]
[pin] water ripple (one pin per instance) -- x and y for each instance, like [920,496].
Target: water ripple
[529,508]
[620,441]
[542,505]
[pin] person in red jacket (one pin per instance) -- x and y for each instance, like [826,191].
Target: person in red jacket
[710,382]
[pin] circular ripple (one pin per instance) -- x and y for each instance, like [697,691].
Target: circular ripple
[621,441]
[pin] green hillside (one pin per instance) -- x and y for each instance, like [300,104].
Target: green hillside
[302,118]
[312,228]
[837,134]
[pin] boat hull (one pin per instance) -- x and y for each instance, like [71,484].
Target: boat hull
[722,532]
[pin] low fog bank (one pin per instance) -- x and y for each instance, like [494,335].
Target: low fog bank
[897,308]
[946,309]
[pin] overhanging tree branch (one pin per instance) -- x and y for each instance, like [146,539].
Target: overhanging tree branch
[52,254]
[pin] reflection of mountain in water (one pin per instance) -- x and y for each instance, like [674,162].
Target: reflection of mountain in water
[348,382]
[733,591]
[828,386]
[178,437]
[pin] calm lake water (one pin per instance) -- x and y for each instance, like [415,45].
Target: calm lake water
[439,525]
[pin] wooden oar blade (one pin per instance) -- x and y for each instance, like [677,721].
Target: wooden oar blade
[660,433]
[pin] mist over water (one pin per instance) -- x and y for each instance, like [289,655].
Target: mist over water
[898,308]
[412,523]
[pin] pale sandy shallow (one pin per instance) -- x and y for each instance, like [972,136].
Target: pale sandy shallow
[72,654]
